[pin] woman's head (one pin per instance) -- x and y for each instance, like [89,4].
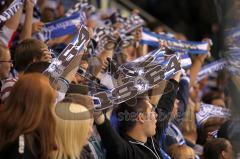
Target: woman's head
[73,133]
[28,110]
[29,99]
[181,152]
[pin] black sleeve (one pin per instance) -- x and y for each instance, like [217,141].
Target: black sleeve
[182,95]
[112,141]
[165,107]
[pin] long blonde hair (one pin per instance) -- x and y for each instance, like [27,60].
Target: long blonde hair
[71,134]
[188,126]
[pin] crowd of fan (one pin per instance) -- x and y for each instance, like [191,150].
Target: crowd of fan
[161,124]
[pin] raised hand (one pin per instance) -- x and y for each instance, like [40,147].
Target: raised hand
[37,26]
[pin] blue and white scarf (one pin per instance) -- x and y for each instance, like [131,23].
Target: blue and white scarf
[192,47]
[210,68]
[63,26]
[208,111]
[11,10]
[174,132]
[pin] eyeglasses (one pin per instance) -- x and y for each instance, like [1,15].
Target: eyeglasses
[10,61]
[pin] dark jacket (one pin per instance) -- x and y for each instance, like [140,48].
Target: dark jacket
[11,152]
[125,147]
[173,133]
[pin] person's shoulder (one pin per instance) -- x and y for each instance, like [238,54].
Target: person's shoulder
[6,88]
[8,82]
[11,79]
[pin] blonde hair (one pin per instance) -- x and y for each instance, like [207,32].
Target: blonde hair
[177,151]
[188,126]
[71,135]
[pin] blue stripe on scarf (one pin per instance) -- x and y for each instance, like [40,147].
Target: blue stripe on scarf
[61,27]
[170,39]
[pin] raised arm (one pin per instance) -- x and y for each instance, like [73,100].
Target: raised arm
[111,140]
[9,28]
[26,32]
[14,21]
[196,67]
[182,94]
[165,105]
[197,64]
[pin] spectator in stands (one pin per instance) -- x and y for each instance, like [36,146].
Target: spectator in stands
[214,98]
[139,127]
[27,52]
[8,28]
[5,62]
[218,149]
[5,67]
[189,128]
[30,51]
[173,131]
[214,123]
[177,151]
[72,133]
[27,124]
[93,148]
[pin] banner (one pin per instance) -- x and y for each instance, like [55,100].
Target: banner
[59,65]
[11,10]
[63,26]
[153,39]
[156,57]
[208,111]
[149,74]
[140,76]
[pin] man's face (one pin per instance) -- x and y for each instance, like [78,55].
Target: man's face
[5,65]
[149,120]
